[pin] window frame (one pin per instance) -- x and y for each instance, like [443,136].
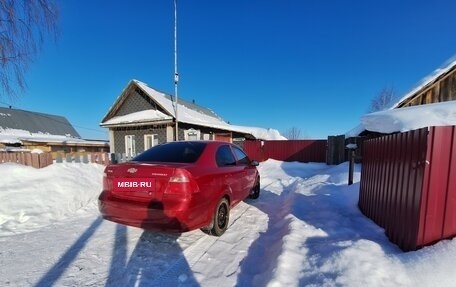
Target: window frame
[130,143]
[154,141]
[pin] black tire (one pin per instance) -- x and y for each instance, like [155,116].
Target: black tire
[255,190]
[221,218]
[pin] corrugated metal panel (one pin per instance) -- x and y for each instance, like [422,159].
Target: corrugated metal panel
[438,212]
[390,191]
[289,150]
[408,185]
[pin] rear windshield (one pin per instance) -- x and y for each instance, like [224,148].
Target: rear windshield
[184,152]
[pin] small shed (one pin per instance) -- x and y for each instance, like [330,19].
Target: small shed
[22,130]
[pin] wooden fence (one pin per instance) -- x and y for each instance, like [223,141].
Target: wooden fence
[36,160]
[98,157]
[40,160]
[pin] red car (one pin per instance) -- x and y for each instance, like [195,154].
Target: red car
[179,186]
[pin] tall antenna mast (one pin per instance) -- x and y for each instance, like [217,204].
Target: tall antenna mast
[176,75]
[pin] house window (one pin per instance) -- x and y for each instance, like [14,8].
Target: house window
[192,134]
[130,145]
[150,141]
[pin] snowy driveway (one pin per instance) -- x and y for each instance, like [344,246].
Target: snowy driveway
[305,230]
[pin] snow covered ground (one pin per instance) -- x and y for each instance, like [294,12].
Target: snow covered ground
[304,230]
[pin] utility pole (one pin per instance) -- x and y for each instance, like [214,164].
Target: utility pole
[176,75]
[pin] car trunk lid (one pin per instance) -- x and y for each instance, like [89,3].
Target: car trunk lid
[146,181]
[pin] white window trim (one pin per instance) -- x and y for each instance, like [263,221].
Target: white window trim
[189,132]
[130,143]
[154,137]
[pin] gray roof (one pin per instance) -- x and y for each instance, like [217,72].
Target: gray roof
[193,106]
[36,122]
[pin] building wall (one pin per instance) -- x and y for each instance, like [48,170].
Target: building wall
[139,132]
[137,101]
[165,133]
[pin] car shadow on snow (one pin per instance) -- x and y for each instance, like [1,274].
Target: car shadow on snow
[156,260]
[308,232]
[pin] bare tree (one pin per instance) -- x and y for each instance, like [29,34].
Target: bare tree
[383,100]
[293,133]
[23,25]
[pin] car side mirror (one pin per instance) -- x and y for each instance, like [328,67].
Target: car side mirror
[254,163]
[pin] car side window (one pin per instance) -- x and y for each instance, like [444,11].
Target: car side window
[224,156]
[242,158]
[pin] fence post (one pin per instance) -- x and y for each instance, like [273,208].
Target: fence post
[113,158]
[351,168]
[336,150]
[58,158]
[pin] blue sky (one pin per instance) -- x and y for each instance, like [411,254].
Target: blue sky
[314,65]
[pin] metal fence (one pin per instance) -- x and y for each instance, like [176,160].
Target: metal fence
[287,150]
[408,185]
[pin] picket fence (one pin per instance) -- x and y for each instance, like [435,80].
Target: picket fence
[41,160]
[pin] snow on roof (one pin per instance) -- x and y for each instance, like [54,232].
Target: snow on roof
[448,65]
[142,116]
[35,122]
[411,118]
[402,124]
[356,131]
[17,136]
[187,113]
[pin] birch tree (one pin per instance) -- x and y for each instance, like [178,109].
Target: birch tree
[23,27]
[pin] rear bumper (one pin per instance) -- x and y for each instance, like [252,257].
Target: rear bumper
[150,215]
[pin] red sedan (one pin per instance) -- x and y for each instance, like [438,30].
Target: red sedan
[179,186]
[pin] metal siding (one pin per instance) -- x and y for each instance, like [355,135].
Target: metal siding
[419,146]
[289,150]
[393,202]
[253,150]
[408,185]
[388,189]
[450,214]
[437,213]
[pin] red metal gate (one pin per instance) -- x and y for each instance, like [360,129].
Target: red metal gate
[408,185]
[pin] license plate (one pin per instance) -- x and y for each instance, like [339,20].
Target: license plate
[134,184]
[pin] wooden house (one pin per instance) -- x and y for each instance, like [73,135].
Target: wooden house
[22,130]
[142,117]
[438,87]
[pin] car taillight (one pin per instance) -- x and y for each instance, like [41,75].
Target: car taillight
[180,183]
[107,182]
[177,179]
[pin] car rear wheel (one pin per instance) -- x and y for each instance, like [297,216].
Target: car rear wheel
[255,193]
[221,218]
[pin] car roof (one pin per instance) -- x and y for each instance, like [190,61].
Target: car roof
[202,141]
